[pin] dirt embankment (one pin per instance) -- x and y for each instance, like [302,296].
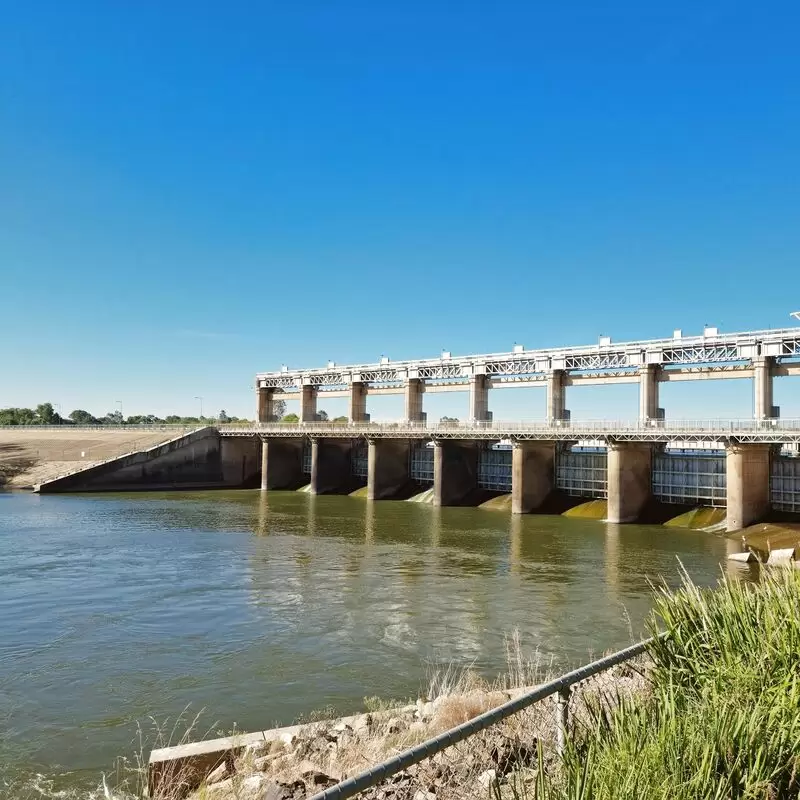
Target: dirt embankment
[29,456]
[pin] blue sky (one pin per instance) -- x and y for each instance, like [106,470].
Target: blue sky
[193,192]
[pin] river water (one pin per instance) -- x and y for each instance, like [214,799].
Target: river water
[261,609]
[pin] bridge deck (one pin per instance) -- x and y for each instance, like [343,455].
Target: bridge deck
[776,432]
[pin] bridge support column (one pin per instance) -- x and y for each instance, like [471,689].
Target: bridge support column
[330,465]
[532,475]
[308,404]
[357,411]
[629,480]
[264,398]
[413,398]
[762,388]
[281,463]
[387,471]
[648,392]
[747,468]
[455,471]
[478,399]
[556,396]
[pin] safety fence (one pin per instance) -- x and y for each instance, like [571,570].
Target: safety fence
[503,746]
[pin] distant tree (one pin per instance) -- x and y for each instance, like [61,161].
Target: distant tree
[113,418]
[340,420]
[17,416]
[223,417]
[278,408]
[46,415]
[172,419]
[81,417]
[290,418]
[322,416]
[142,419]
[449,420]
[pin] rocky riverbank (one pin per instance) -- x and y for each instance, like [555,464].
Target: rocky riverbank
[295,763]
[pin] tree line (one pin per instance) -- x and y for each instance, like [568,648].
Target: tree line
[45,414]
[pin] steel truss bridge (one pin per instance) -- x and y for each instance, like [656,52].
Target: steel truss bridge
[720,432]
[683,357]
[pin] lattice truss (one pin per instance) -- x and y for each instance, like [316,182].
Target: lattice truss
[596,360]
[516,367]
[285,382]
[701,354]
[719,350]
[791,347]
[380,376]
[442,371]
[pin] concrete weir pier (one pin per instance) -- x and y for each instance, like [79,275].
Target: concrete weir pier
[744,465]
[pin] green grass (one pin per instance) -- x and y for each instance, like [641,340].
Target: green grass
[723,717]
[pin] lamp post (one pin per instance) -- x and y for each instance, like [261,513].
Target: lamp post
[198,397]
[119,403]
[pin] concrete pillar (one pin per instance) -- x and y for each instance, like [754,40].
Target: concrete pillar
[747,468]
[556,395]
[264,404]
[281,463]
[648,392]
[357,411]
[629,479]
[532,475]
[388,467]
[330,466]
[308,404]
[762,388]
[455,471]
[413,398]
[478,398]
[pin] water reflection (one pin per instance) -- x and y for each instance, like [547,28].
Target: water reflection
[263,606]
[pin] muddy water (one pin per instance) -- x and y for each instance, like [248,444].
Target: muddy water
[114,607]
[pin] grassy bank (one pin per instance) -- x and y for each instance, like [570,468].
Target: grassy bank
[722,717]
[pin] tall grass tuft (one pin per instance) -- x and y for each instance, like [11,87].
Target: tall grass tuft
[723,717]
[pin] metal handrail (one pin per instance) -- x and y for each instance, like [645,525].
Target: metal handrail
[374,775]
[720,425]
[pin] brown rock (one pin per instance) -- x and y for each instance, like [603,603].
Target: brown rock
[217,774]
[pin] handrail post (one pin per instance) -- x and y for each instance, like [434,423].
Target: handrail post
[562,719]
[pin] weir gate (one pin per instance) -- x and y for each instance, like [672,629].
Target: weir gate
[748,467]
[741,464]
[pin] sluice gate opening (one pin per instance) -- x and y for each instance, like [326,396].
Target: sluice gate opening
[494,469]
[785,484]
[420,468]
[689,478]
[582,472]
[359,459]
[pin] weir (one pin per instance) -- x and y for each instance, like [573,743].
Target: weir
[628,465]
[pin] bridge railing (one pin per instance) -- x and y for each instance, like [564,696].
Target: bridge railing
[720,426]
[492,755]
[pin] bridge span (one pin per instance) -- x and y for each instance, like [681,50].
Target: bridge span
[748,466]
[758,356]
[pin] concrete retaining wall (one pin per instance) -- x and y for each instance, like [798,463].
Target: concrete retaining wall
[198,459]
